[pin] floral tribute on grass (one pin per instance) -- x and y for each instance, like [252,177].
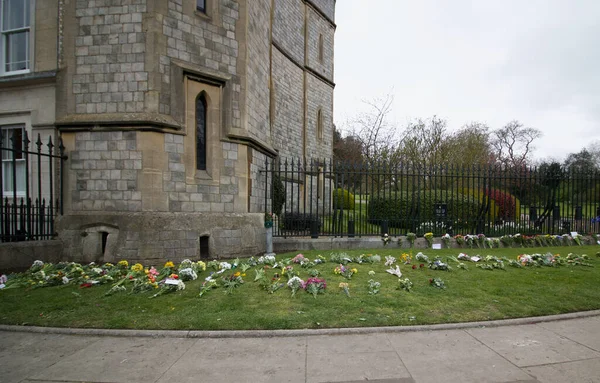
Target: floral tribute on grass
[344,271]
[315,286]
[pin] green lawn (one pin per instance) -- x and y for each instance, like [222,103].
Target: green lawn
[471,295]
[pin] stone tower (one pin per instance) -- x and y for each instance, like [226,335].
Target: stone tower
[168,110]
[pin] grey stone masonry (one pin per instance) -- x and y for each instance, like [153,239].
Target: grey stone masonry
[200,195]
[326,6]
[320,95]
[106,165]
[288,28]
[318,26]
[110,76]
[258,178]
[288,118]
[208,42]
[257,91]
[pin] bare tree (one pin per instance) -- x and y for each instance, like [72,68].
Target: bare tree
[372,129]
[513,144]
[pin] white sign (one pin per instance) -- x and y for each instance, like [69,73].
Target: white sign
[573,234]
[171,281]
[2,285]
[436,246]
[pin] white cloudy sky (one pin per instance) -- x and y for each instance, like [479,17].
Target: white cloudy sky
[489,61]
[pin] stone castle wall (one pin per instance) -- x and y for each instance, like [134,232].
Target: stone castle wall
[128,120]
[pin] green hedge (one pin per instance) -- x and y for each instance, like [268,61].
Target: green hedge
[396,207]
[344,197]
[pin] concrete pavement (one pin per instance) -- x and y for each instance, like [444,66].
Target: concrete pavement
[556,351]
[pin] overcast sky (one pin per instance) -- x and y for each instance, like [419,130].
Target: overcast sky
[489,61]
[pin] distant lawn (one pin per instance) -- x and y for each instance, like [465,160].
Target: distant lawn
[473,295]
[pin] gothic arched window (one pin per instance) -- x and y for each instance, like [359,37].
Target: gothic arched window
[201,109]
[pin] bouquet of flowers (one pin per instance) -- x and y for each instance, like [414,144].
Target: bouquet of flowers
[421,257]
[481,240]
[406,258]
[374,287]
[344,271]
[188,274]
[395,271]
[429,238]
[232,281]
[470,240]
[315,286]
[389,260]
[410,237]
[171,284]
[507,240]
[405,284]
[386,239]
[446,240]
[439,265]
[300,259]
[460,240]
[345,288]
[437,282]
[295,284]
[208,285]
[577,238]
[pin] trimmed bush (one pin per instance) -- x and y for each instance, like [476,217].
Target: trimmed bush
[400,209]
[344,197]
[509,206]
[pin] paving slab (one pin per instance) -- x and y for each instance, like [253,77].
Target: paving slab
[584,330]
[452,356]
[343,367]
[582,371]
[341,344]
[23,354]
[252,360]
[530,345]
[111,359]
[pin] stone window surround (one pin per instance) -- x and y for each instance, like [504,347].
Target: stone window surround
[213,94]
[31,29]
[15,119]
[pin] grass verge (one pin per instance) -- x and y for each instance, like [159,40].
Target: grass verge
[471,295]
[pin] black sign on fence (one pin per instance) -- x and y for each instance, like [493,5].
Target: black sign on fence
[440,210]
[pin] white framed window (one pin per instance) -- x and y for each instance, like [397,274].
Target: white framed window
[15,26]
[13,160]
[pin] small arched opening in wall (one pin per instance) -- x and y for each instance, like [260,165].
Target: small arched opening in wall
[204,247]
[99,243]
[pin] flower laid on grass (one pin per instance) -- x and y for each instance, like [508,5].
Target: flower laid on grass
[406,258]
[429,238]
[345,271]
[300,259]
[188,274]
[410,237]
[208,285]
[371,273]
[446,240]
[389,260]
[421,257]
[232,281]
[137,268]
[295,284]
[439,265]
[122,264]
[437,282]
[171,284]
[374,287]
[267,260]
[386,239]
[315,286]
[405,284]
[395,271]
[345,288]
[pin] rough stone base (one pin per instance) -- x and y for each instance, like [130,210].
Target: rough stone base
[17,256]
[152,237]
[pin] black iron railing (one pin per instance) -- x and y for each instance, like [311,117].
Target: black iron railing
[325,198]
[31,183]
